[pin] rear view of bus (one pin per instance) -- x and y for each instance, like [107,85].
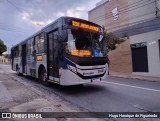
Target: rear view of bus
[85,53]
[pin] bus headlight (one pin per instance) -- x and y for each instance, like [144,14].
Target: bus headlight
[72,68]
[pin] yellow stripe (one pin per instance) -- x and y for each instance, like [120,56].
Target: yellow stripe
[24,74]
[53,81]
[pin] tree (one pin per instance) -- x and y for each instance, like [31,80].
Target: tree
[3,47]
[112,41]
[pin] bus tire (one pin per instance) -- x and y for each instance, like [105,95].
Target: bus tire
[43,77]
[17,70]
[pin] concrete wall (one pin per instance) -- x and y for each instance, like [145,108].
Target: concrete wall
[132,12]
[101,2]
[102,14]
[153,51]
[122,21]
[158,7]
[3,60]
[97,15]
[140,11]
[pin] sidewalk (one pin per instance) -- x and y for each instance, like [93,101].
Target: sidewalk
[17,95]
[129,76]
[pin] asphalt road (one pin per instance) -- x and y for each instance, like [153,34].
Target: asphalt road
[110,95]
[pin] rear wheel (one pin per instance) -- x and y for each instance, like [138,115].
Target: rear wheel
[17,70]
[43,77]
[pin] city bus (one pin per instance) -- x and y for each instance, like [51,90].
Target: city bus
[69,51]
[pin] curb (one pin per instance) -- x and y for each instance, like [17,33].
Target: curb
[152,79]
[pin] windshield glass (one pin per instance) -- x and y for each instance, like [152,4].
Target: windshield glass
[84,43]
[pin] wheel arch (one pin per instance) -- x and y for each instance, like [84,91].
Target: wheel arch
[41,66]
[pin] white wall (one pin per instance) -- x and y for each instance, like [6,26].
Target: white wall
[97,15]
[143,10]
[101,2]
[152,49]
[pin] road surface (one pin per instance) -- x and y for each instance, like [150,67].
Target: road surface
[110,95]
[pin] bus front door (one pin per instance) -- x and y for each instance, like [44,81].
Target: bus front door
[53,58]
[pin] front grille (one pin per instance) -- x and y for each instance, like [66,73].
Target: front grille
[91,77]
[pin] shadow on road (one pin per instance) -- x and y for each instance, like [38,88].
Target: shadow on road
[78,89]
[70,90]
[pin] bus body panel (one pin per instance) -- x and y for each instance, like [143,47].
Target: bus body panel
[69,78]
[17,61]
[72,74]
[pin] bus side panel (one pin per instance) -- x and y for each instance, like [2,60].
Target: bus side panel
[28,65]
[33,64]
[70,78]
[15,61]
[20,65]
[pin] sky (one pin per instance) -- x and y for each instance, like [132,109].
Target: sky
[18,17]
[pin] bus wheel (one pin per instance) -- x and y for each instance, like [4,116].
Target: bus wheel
[17,70]
[43,77]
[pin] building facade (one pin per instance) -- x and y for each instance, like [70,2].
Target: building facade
[3,60]
[97,14]
[139,20]
[112,14]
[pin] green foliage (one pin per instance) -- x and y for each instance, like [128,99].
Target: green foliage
[3,47]
[112,41]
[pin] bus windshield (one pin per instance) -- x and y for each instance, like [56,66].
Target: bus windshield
[85,43]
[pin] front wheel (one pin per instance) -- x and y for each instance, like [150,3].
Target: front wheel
[43,77]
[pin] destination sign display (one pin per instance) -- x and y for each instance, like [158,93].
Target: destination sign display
[85,25]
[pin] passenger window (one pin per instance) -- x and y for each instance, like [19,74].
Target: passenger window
[36,43]
[29,47]
[32,45]
[40,43]
[20,50]
[16,51]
